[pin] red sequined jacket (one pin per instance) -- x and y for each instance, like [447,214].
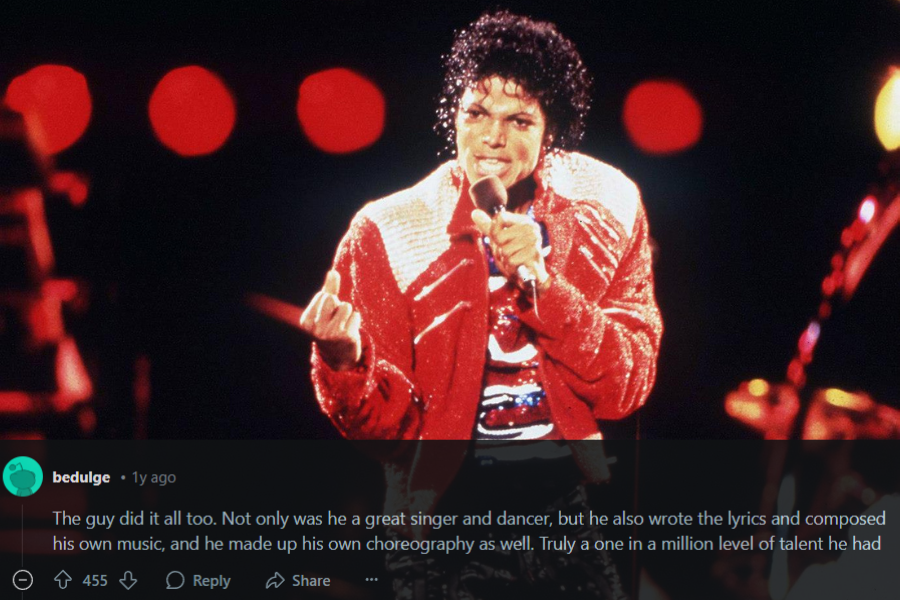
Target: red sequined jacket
[414,266]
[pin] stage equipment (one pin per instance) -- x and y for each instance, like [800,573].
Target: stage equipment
[778,410]
[45,388]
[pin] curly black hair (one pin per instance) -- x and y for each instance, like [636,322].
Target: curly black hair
[531,53]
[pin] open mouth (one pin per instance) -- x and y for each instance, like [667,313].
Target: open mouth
[490,166]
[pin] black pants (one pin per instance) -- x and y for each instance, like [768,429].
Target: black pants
[533,487]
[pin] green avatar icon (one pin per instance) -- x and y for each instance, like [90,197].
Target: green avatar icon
[22,476]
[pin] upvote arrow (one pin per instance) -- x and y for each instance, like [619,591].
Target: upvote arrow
[62,579]
[128,580]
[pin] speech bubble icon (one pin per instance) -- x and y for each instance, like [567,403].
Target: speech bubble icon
[174,580]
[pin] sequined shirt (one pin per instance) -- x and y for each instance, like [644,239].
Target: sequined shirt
[513,402]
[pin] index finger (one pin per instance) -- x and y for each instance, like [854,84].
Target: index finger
[332,283]
[482,221]
[508,219]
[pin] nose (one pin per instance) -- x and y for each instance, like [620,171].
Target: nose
[494,134]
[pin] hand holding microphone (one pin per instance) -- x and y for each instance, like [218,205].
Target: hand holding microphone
[515,239]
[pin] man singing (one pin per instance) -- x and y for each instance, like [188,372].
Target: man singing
[428,326]
[405,321]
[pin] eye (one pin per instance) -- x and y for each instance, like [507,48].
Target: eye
[523,123]
[473,113]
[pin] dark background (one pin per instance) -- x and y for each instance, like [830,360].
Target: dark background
[746,221]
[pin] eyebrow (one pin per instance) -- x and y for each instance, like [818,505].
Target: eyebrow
[516,115]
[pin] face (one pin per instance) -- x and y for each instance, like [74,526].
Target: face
[499,131]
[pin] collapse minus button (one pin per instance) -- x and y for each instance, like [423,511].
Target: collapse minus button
[22,580]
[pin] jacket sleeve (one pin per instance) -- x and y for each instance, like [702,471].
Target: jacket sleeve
[598,325]
[379,399]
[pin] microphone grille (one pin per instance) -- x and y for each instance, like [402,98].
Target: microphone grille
[489,194]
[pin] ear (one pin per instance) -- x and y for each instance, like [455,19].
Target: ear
[549,139]
[547,146]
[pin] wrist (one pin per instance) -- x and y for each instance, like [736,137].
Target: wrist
[340,356]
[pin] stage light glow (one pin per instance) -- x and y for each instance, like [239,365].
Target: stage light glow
[71,376]
[191,111]
[340,111]
[887,112]
[15,402]
[837,261]
[275,308]
[72,185]
[63,289]
[758,387]
[813,331]
[746,412]
[58,99]
[867,209]
[796,374]
[816,430]
[807,342]
[842,399]
[662,117]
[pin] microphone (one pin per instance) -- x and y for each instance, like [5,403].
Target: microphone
[490,196]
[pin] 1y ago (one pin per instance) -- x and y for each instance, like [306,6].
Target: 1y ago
[160,479]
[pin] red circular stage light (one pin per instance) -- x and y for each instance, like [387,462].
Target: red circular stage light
[191,111]
[340,111]
[662,117]
[58,97]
